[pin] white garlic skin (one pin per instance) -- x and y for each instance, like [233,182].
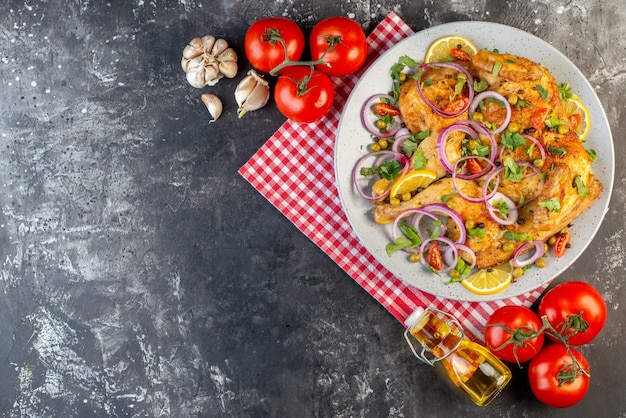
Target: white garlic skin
[252,93]
[213,105]
[206,60]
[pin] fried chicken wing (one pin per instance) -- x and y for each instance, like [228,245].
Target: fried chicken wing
[535,90]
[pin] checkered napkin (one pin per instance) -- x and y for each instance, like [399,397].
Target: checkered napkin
[294,171]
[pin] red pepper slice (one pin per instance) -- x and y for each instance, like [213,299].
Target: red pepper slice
[385,109]
[434,257]
[456,105]
[562,243]
[459,55]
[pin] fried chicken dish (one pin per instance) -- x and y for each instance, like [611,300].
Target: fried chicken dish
[541,166]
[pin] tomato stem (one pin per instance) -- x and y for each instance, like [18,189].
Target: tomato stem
[525,333]
[272,35]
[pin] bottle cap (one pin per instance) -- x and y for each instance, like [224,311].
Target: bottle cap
[414,317]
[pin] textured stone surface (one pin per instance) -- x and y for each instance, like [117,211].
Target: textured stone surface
[142,276]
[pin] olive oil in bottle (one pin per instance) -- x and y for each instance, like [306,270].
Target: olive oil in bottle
[470,366]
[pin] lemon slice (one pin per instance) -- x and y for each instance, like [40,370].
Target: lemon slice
[491,280]
[412,181]
[575,106]
[439,50]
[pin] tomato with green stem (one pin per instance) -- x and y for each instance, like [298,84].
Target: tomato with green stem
[514,333]
[340,43]
[575,309]
[270,41]
[304,94]
[559,376]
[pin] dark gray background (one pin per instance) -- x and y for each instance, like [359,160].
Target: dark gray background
[143,277]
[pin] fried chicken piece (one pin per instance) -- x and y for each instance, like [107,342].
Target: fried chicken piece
[535,90]
[418,115]
[488,248]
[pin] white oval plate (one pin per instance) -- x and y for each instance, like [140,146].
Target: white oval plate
[352,141]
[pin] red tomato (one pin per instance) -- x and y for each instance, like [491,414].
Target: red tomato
[303,94]
[459,55]
[385,109]
[262,43]
[511,333]
[434,257]
[538,118]
[456,105]
[555,380]
[574,120]
[340,42]
[576,305]
[473,166]
[562,243]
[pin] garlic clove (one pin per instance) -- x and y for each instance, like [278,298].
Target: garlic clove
[218,47]
[207,43]
[212,74]
[196,79]
[193,49]
[244,88]
[228,54]
[253,94]
[228,68]
[213,105]
[258,97]
[194,64]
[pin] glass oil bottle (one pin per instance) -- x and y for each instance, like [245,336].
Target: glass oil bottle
[470,366]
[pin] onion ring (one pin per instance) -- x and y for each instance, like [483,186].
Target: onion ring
[369,122]
[451,247]
[512,215]
[539,247]
[401,158]
[490,94]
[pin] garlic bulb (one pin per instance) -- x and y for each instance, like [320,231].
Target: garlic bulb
[206,60]
[213,105]
[252,93]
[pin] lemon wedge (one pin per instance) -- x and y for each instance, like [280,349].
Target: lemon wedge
[575,106]
[412,181]
[440,49]
[490,281]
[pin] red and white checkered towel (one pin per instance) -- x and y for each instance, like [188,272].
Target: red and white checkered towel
[294,171]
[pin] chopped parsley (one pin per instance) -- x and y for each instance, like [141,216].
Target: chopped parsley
[480,85]
[514,236]
[521,103]
[497,66]
[553,121]
[388,170]
[583,190]
[556,150]
[512,140]
[419,160]
[512,171]
[553,205]
[403,62]
[543,92]
[566,92]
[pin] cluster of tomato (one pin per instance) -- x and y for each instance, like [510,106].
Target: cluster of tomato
[570,314]
[304,92]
